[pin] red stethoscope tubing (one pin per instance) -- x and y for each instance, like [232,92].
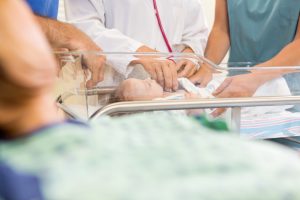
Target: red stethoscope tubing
[161,27]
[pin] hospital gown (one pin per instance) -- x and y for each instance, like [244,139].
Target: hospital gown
[147,157]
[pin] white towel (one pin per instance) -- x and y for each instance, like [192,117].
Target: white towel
[277,88]
[274,88]
[206,92]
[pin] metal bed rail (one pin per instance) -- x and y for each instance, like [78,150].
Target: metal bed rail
[235,103]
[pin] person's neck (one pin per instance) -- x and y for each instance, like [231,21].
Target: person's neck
[32,116]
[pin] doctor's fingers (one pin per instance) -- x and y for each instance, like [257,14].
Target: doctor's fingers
[174,75]
[150,69]
[170,76]
[186,68]
[96,64]
[99,68]
[97,75]
[159,73]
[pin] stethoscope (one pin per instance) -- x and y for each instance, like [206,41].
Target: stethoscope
[161,27]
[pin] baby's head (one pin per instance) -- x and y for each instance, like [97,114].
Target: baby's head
[138,90]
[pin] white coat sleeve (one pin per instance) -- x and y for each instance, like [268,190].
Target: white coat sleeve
[195,33]
[89,16]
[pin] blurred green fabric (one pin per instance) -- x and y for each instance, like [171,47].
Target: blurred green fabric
[152,156]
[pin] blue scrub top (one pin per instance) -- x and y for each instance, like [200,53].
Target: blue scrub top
[46,8]
[260,29]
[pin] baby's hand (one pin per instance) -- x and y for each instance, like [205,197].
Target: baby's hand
[189,95]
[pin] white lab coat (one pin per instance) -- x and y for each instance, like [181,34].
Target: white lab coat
[126,25]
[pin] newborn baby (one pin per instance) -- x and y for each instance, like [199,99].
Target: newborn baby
[142,90]
[138,90]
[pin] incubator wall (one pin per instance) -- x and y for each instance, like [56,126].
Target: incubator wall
[270,112]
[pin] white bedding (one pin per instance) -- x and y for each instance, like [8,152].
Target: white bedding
[283,124]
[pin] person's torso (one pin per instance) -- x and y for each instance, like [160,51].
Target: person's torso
[46,8]
[136,19]
[260,29]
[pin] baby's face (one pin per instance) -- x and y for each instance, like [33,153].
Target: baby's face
[151,87]
[136,89]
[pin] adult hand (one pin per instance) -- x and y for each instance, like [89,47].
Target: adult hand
[65,36]
[163,71]
[92,61]
[237,86]
[186,68]
[96,64]
[203,76]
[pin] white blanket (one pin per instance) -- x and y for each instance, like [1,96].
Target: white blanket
[276,88]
